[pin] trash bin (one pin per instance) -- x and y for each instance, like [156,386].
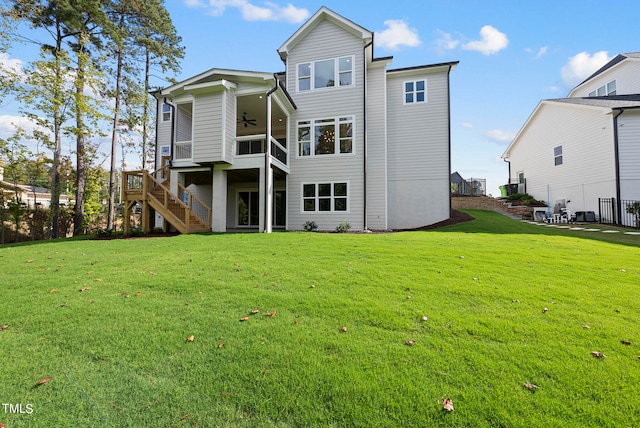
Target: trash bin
[503,191]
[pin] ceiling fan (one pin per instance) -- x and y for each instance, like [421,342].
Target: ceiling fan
[247,121]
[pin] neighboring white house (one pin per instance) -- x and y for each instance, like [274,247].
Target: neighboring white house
[574,151]
[337,137]
[30,196]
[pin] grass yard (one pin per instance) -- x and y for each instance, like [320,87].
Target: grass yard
[331,345]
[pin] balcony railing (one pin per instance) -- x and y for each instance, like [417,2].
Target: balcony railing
[182,150]
[255,144]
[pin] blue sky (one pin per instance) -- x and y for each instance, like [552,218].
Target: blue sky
[512,53]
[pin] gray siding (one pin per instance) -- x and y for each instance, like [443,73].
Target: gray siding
[164,134]
[418,152]
[230,126]
[629,154]
[327,41]
[376,149]
[208,127]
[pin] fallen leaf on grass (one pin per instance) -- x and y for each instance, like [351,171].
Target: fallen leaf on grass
[270,314]
[344,328]
[29,261]
[425,319]
[150,272]
[4,327]
[244,318]
[185,416]
[53,290]
[586,326]
[410,342]
[139,293]
[625,342]
[221,345]
[598,354]
[191,338]
[84,289]
[255,311]
[544,310]
[447,404]
[531,386]
[515,301]
[98,279]
[42,381]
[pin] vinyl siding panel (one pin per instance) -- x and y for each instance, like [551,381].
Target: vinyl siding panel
[164,134]
[376,149]
[629,154]
[626,75]
[208,127]
[588,169]
[327,41]
[230,126]
[418,152]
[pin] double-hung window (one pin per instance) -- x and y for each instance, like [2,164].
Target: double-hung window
[326,73]
[330,136]
[415,92]
[557,155]
[325,197]
[166,112]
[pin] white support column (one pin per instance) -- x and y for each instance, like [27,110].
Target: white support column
[219,201]
[268,174]
[262,188]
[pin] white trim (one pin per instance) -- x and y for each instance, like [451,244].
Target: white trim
[317,197]
[336,74]
[336,122]
[414,92]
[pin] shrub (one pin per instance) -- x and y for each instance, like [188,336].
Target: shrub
[310,226]
[136,232]
[525,199]
[343,227]
[104,232]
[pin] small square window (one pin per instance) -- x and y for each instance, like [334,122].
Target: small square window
[166,112]
[415,92]
[309,190]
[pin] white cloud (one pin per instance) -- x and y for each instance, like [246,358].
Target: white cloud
[541,51]
[446,42]
[251,12]
[582,65]
[467,125]
[491,41]
[500,136]
[397,34]
[8,63]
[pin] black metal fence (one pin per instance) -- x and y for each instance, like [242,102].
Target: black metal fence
[470,187]
[619,212]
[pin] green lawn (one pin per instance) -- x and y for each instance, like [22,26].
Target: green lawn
[335,351]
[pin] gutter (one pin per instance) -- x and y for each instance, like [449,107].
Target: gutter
[616,154]
[364,122]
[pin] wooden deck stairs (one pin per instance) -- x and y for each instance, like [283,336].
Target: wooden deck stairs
[185,212]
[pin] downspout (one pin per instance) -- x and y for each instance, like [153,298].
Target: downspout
[616,154]
[449,135]
[173,129]
[364,123]
[267,162]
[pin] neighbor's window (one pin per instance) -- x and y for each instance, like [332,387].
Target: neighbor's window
[325,197]
[166,112]
[604,90]
[326,136]
[326,73]
[557,155]
[415,92]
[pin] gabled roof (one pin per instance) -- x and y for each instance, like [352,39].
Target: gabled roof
[323,14]
[615,61]
[209,75]
[604,104]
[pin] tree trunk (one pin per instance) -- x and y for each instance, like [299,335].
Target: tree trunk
[57,130]
[145,108]
[78,217]
[114,137]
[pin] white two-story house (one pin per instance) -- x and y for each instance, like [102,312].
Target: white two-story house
[339,136]
[582,152]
